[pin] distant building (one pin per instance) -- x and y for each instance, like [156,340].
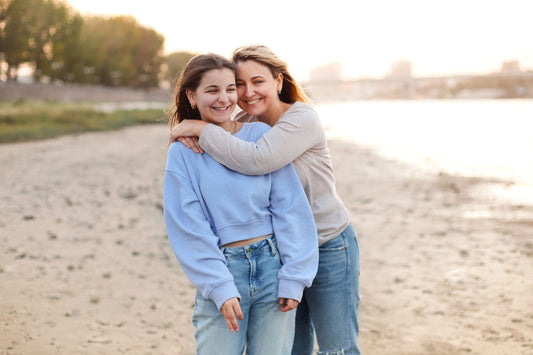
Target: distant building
[511,66]
[328,72]
[400,69]
[326,83]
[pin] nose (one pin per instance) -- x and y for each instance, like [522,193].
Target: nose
[223,97]
[248,91]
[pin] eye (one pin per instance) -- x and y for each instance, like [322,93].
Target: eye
[240,84]
[257,82]
[232,89]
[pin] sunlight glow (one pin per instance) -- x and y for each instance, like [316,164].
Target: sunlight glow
[438,37]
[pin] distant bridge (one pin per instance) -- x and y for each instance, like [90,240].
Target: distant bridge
[498,85]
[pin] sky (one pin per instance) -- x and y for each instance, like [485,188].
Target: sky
[365,36]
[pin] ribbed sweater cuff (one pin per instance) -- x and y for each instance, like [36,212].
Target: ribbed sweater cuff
[224,292]
[290,289]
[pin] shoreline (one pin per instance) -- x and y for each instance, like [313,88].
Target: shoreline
[87,267]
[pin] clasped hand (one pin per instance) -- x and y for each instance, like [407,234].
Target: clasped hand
[185,133]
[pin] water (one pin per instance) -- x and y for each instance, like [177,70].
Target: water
[485,138]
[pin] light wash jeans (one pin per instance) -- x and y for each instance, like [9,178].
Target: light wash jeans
[264,329]
[329,306]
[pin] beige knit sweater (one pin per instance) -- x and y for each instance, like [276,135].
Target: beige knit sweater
[297,137]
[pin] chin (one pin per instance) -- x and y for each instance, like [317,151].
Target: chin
[256,111]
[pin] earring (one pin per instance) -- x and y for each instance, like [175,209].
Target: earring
[193,106]
[279,92]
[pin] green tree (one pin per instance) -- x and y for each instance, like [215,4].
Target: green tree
[32,29]
[116,51]
[67,28]
[147,53]
[16,35]
[113,51]
[84,56]
[175,62]
[3,15]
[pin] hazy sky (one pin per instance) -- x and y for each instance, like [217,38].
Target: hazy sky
[366,36]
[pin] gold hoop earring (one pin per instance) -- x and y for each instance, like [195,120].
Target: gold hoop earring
[193,106]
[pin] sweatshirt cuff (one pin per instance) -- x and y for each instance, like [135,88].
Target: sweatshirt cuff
[292,289]
[224,292]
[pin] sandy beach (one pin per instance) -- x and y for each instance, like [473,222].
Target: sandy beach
[86,266]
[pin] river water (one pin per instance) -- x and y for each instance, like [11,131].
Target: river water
[484,138]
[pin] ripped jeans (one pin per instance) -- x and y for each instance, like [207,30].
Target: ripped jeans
[329,306]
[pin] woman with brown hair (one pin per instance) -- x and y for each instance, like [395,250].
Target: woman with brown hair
[248,243]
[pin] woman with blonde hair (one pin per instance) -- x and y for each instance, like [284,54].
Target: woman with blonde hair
[268,93]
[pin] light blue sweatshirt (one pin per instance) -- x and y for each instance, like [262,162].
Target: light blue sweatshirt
[207,205]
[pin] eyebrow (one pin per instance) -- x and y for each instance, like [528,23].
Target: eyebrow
[216,86]
[253,78]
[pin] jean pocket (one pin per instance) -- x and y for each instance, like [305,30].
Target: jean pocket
[336,244]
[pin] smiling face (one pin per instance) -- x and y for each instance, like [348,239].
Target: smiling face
[257,89]
[215,96]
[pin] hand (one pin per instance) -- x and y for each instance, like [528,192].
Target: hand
[191,143]
[287,304]
[187,128]
[229,310]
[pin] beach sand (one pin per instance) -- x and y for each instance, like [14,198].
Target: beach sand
[86,266]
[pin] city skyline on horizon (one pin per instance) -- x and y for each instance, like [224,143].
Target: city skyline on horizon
[332,70]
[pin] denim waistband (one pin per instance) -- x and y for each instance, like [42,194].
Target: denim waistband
[257,247]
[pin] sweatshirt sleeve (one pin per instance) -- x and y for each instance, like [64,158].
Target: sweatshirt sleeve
[194,243]
[292,135]
[295,232]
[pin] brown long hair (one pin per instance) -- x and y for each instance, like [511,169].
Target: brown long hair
[291,90]
[189,79]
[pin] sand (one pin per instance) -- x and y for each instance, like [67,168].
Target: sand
[86,267]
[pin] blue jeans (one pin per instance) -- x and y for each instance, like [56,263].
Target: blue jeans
[264,329]
[329,306]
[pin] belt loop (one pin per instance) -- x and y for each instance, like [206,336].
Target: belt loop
[270,240]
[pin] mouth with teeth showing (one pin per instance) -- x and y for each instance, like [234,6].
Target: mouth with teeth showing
[252,102]
[221,109]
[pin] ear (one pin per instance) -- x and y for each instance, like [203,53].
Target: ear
[279,79]
[191,96]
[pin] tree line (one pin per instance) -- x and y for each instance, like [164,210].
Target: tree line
[62,45]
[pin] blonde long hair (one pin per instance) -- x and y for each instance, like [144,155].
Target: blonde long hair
[291,90]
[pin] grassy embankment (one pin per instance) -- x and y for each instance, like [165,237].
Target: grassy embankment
[33,120]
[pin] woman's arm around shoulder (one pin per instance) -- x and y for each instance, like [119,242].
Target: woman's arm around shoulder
[298,129]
